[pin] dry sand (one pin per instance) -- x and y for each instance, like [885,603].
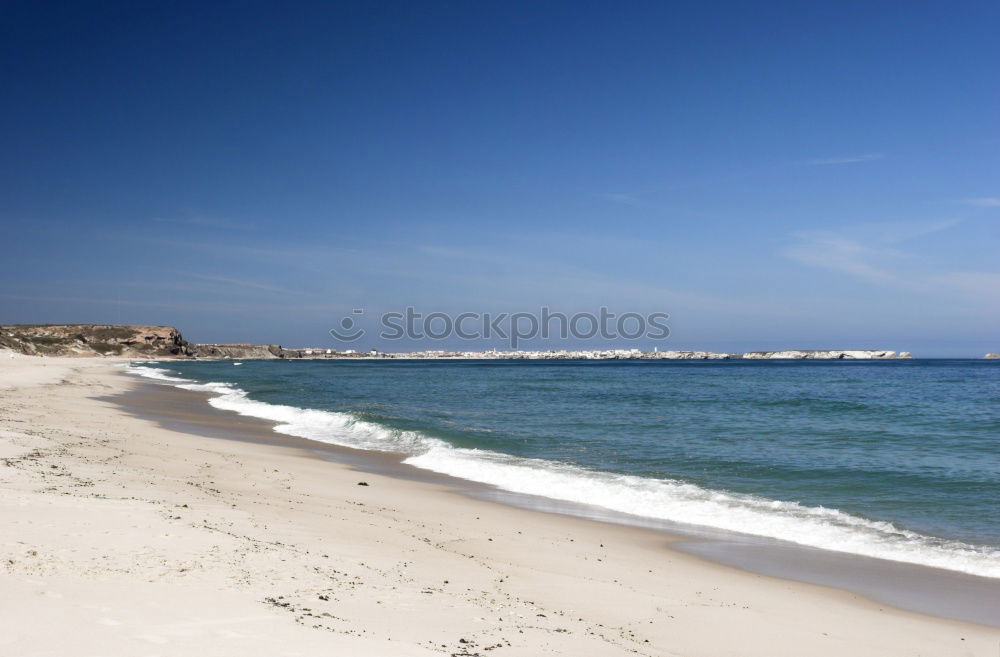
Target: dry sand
[123,537]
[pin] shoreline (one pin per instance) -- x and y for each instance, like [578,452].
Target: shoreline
[908,587]
[134,537]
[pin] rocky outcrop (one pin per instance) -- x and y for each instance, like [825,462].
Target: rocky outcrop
[562,354]
[238,351]
[166,342]
[689,355]
[94,340]
[819,354]
[267,352]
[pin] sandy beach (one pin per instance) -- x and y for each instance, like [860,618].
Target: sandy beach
[209,535]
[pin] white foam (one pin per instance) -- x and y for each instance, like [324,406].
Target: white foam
[662,499]
[324,426]
[681,502]
[154,373]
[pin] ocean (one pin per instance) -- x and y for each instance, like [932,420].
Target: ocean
[897,460]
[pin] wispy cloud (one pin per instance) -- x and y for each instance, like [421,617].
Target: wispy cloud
[894,232]
[245,283]
[829,250]
[985,202]
[864,250]
[569,286]
[870,253]
[846,159]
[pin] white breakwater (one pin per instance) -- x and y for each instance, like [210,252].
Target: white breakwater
[664,499]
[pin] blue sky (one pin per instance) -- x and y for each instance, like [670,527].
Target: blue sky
[780,175]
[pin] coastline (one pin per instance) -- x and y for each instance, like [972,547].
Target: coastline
[905,586]
[268,532]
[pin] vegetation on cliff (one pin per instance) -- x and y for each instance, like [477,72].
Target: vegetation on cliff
[94,340]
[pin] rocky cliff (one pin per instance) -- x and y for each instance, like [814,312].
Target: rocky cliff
[239,351]
[246,351]
[94,340]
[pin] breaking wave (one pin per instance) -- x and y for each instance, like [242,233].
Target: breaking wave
[663,499]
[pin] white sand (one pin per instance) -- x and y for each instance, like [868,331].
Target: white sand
[21,371]
[120,537]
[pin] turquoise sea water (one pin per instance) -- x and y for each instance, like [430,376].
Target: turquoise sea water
[896,459]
